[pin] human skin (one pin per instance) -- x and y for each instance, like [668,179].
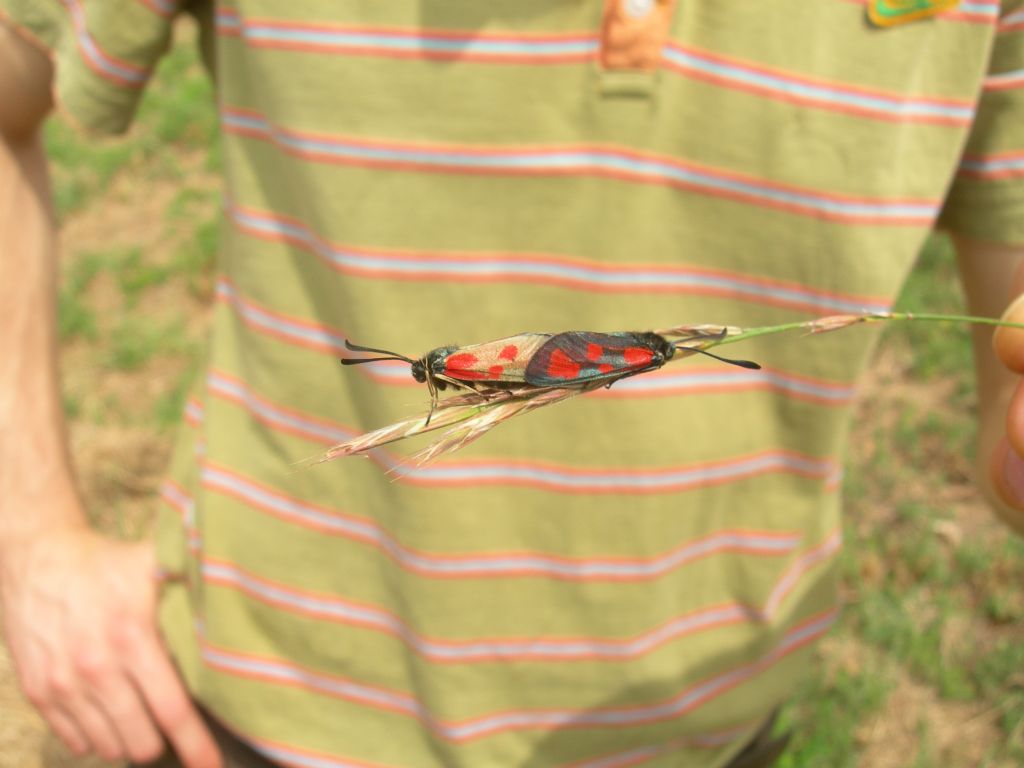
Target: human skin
[79,609]
[993,280]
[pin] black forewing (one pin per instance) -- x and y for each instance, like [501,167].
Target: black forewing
[568,358]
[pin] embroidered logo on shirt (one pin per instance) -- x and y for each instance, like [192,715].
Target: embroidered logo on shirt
[889,13]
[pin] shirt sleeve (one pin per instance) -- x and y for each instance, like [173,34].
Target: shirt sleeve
[104,52]
[986,200]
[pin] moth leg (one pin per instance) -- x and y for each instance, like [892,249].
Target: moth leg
[432,388]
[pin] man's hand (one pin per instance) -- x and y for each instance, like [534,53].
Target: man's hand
[1007,462]
[993,277]
[79,616]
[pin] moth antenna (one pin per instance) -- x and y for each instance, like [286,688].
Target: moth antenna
[358,360]
[741,363]
[356,348]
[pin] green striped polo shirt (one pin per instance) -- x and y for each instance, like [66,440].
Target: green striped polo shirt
[634,577]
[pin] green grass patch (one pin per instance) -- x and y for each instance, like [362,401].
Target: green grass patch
[824,716]
[197,258]
[177,107]
[75,319]
[171,404]
[81,167]
[1000,675]
[135,275]
[132,344]
[72,406]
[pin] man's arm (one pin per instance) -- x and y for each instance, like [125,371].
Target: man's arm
[993,278]
[78,609]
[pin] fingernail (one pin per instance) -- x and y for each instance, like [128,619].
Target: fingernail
[1013,472]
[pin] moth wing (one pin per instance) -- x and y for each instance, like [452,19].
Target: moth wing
[503,360]
[582,356]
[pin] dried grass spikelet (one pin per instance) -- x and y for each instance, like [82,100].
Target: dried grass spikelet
[465,417]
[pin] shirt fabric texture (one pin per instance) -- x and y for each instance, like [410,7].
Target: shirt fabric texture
[635,577]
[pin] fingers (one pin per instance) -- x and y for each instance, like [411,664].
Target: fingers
[137,735]
[1015,420]
[83,636]
[96,727]
[67,731]
[97,709]
[157,688]
[89,658]
[171,706]
[99,713]
[1006,468]
[1008,343]
[1007,473]
[1007,464]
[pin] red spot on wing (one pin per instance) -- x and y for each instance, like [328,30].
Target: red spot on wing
[495,371]
[460,361]
[594,351]
[509,352]
[460,366]
[637,357]
[561,366]
[605,368]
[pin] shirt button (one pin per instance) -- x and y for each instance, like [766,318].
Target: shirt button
[637,9]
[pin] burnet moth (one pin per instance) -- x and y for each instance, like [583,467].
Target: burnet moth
[572,358]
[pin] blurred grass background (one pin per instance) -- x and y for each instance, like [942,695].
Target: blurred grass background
[926,668]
